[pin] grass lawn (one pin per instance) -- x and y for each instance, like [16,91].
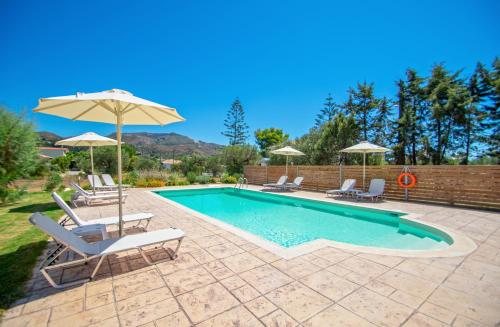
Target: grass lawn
[21,243]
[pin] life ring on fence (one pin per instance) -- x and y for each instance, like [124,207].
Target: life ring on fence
[413,180]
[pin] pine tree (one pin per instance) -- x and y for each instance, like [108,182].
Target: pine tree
[236,128]
[401,124]
[330,109]
[382,123]
[362,105]
[448,98]
[417,113]
[491,123]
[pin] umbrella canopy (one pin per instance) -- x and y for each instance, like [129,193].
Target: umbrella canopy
[287,151]
[114,107]
[90,140]
[365,147]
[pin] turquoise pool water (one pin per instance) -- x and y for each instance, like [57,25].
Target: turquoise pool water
[291,221]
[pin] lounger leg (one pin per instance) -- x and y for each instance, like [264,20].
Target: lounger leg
[146,257]
[101,259]
[173,256]
[147,223]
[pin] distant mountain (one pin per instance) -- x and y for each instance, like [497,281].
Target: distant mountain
[48,138]
[166,145]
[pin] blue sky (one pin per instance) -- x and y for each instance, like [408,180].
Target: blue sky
[281,58]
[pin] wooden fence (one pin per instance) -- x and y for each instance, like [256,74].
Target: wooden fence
[476,186]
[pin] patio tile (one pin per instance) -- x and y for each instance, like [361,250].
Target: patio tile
[407,299]
[462,321]
[379,287]
[376,308]
[337,316]
[177,319]
[206,302]
[101,286]
[238,316]
[265,278]
[136,284]
[279,319]
[385,260]
[298,301]
[52,297]
[296,268]
[332,255]
[245,293]
[111,322]
[97,300]
[149,313]
[363,270]
[222,273]
[209,240]
[66,309]
[142,300]
[242,262]
[339,270]
[35,319]
[408,283]
[202,256]
[88,317]
[329,284]
[478,287]
[214,265]
[420,320]
[233,282]
[437,312]
[427,272]
[183,261]
[224,250]
[260,306]
[317,261]
[265,255]
[470,306]
[183,281]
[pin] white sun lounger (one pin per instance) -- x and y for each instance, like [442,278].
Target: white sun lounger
[84,224]
[297,183]
[70,241]
[90,197]
[108,181]
[280,184]
[346,188]
[375,191]
[95,182]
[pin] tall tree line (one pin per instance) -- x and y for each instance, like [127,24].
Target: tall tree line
[432,119]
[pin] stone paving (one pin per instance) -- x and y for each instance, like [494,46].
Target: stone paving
[220,279]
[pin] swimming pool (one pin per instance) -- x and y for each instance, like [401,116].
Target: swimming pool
[290,221]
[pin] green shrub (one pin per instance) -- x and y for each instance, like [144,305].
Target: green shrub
[191,177]
[228,179]
[54,180]
[182,183]
[8,195]
[203,179]
[131,178]
[149,182]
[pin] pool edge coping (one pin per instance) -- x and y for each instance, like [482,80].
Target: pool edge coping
[461,246]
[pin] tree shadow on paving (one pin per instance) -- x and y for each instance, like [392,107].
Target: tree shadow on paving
[15,270]
[36,207]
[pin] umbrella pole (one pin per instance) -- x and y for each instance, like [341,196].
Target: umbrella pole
[92,168]
[286,167]
[364,170]
[119,154]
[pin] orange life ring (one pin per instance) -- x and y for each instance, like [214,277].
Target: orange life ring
[413,180]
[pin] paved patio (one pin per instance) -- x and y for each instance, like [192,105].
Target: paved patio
[220,279]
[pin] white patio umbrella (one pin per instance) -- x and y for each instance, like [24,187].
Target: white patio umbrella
[365,147]
[287,151]
[113,107]
[90,140]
